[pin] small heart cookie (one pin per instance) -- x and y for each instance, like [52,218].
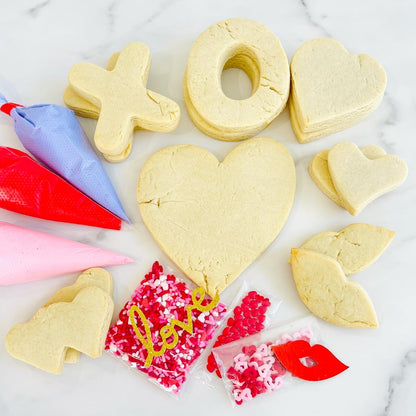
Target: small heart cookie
[213,219]
[328,294]
[359,180]
[354,248]
[331,88]
[318,169]
[92,277]
[81,324]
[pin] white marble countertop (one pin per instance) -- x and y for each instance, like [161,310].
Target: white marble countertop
[40,41]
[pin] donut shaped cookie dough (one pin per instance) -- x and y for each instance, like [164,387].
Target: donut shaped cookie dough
[247,45]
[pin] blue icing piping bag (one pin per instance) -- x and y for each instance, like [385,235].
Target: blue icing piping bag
[54,136]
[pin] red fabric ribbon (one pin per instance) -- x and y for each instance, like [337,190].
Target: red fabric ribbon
[326,364]
[28,188]
[8,107]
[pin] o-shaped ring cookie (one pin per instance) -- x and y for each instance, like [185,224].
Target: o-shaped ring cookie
[247,45]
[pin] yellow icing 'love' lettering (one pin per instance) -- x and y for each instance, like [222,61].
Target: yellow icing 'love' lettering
[169,330]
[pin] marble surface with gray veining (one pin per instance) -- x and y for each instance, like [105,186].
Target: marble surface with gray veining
[40,40]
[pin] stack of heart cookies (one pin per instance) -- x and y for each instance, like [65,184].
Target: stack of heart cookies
[74,320]
[331,88]
[353,178]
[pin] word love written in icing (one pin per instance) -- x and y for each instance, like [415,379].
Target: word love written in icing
[169,330]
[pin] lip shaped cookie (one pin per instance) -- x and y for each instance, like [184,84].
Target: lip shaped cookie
[247,45]
[327,293]
[213,219]
[319,171]
[359,180]
[124,100]
[331,88]
[354,248]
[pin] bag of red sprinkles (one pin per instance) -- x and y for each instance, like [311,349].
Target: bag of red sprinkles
[164,328]
[251,312]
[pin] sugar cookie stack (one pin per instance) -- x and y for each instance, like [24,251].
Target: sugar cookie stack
[76,319]
[251,47]
[331,88]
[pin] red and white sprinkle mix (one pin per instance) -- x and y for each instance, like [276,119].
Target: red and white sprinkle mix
[162,297]
[248,319]
[256,370]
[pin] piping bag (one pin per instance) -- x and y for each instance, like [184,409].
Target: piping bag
[28,188]
[27,255]
[54,136]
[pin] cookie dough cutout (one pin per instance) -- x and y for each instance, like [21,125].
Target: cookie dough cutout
[81,324]
[354,248]
[328,294]
[359,180]
[213,219]
[124,101]
[331,88]
[247,45]
[319,171]
[94,277]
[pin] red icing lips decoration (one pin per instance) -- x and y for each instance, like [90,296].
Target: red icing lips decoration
[327,365]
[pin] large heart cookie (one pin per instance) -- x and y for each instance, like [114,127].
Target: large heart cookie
[327,293]
[319,171]
[359,180]
[214,219]
[332,89]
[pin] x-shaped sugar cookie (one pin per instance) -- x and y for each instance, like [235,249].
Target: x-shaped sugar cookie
[123,100]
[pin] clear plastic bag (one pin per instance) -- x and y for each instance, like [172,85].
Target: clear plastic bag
[252,311]
[249,366]
[164,328]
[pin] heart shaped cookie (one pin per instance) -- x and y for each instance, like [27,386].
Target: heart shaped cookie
[81,324]
[318,169]
[359,180]
[331,88]
[213,219]
[92,277]
[354,248]
[327,293]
